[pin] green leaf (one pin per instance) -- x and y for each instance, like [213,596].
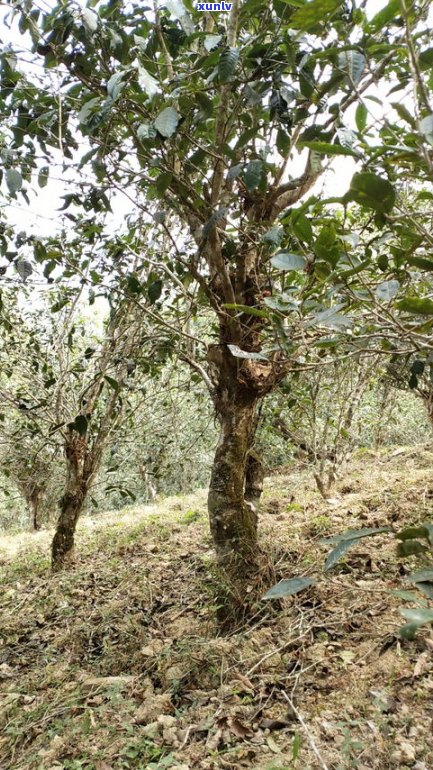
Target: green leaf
[335,555]
[247,309]
[90,19]
[147,82]
[302,227]
[390,12]
[86,112]
[236,351]
[80,424]
[43,176]
[361,117]
[425,59]
[409,533]
[24,269]
[323,148]
[426,128]
[419,616]
[416,305]
[407,596]
[211,41]
[112,383]
[154,290]
[411,548]
[329,318]
[146,131]
[425,588]
[312,13]
[227,64]
[14,180]
[234,171]
[408,631]
[115,85]
[283,142]
[371,191]
[421,262]
[59,305]
[288,588]
[166,122]
[387,290]
[253,174]
[354,534]
[286,260]
[133,284]
[353,63]
[421,576]
[274,235]
[404,114]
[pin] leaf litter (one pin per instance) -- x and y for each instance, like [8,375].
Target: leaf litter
[118,664]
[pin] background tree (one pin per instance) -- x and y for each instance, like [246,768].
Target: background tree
[70,388]
[33,468]
[321,415]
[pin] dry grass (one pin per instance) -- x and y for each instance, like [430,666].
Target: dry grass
[140,606]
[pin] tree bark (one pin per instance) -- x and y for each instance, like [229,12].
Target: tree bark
[254,477]
[33,503]
[32,493]
[240,385]
[62,549]
[81,464]
[233,523]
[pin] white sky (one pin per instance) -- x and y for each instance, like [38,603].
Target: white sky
[43,217]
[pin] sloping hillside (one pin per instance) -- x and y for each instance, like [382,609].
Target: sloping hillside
[118,663]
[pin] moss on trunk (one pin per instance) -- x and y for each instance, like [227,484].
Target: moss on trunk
[62,548]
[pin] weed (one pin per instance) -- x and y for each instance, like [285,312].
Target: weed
[190,517]
[293,507]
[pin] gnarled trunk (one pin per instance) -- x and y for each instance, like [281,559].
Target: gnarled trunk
[233,522]
[254,477]
[236,478]
[62,548]
[81,464]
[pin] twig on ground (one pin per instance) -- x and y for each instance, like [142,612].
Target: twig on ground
[304,726]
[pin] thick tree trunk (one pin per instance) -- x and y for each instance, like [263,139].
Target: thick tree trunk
[254,477]
[62,549]
[233,522]
[81,463]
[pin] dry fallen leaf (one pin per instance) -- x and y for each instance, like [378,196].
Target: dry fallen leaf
[423,664]
[244,680]
[273,724]
[238,728]
[272,745]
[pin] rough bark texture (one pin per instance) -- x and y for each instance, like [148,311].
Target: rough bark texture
[33,503]
[80,468]
[62,548]
[254,477]
[240,386]
[33,493]
[233,523]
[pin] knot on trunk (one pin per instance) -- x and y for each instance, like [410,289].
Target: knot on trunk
[72,499]
[258,376]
